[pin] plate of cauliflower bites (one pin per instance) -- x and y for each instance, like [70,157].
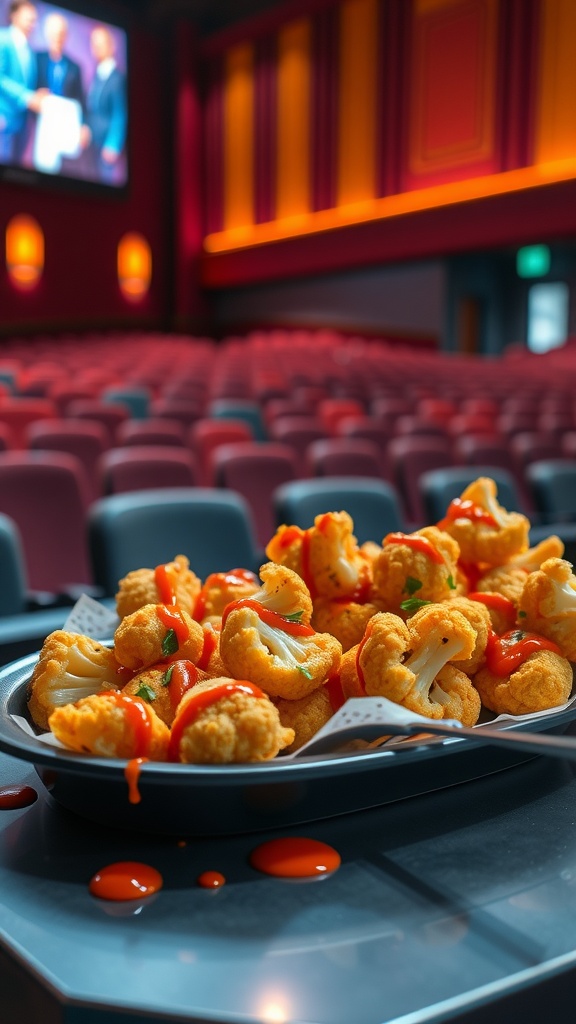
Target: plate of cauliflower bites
[457,620]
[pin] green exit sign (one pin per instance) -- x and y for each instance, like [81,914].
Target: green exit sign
[533,261]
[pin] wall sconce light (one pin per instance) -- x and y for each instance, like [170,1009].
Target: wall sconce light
[134,266]
[24,251]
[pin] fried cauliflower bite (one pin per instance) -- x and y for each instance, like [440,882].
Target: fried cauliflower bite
[148,586]
[409,663]
[326,556]
[286,659]
[154,633]
[164,686]
[415,567]
[485,531]
[283,591]
[219,589]
[225,721]
[478,615]
[548,604]
[542,681]
[306,716]
[70,666]
[509,579]
[346,620]
[111,724]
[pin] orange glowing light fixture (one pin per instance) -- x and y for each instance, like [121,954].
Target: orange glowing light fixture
[24,251]
[134,266]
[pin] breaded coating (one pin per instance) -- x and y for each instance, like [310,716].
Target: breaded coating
[548,604]
[408,663]
[140,587]
[542,681]
[70,666]
[346,620]
[415,567]
[164,686]
[285,659]
[305,716]
[284,591]
[220,588]
[147,636]
[326,556]
[225,721]
[501,610]
[485,531]
[509,579]
[478,615]
[111,724]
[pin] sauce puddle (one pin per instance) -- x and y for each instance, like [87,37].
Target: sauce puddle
[295,857]
[125,880]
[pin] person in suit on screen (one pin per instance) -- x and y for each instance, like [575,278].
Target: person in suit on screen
[106,108]
[56,70]
[19,92]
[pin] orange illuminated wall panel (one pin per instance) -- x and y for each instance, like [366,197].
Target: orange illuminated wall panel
[357,101]
[238,130]
[452,88]
[293,182]
[555,134]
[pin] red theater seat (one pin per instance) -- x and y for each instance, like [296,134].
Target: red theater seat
[344,456]
[255,470]
[146,467]
[84,439]
[332,410]
[108,414]
[18,413]
[207,435]
[151,431]
[298,432]
[411,456]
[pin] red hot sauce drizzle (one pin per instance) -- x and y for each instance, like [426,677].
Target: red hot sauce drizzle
[139,720]
[183,676]
[172,619]
[335,692]
[209,646]
[233,578]
[497,603]
[466,509]
[198,703]
[421,544]
[132,776]
[125,880]
[165,584]
[295,857]
[271,618]
[12,798]
[505,654]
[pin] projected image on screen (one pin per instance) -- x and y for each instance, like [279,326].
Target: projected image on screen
[63,104]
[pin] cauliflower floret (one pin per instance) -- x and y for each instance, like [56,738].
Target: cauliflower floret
[326,556]
[220,588]
[408,663]
[509,579]
[541,680]
[305,716]
[146,586]
[346,620]
[283,591]
[416,567]
[548,604]
[485,531]
[111,724]
[478,615]
[70,666]
[154,633]
[287,659]
[225,721]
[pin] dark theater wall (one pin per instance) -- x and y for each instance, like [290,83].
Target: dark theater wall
[79,288]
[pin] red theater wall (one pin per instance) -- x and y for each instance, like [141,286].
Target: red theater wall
[387,129]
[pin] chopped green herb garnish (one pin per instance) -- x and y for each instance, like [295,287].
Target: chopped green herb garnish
[294,616]
[170,643]
[413,604]
[304,672]
[521,615]
[167,676]
[450,582]
[411,585]
[146,692]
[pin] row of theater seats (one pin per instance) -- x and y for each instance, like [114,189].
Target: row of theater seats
[89,549]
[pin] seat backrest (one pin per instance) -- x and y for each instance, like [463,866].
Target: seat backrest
[553,486]
[151,431]
[344,456]
[84,439]
[46,495]
[240,409]
[142,529]
[207,435]
[439,487]
[18,413]
[532,446]
[411,456]
[142,467]
[136,399]
[12,571]
[255,470]
[372,504]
